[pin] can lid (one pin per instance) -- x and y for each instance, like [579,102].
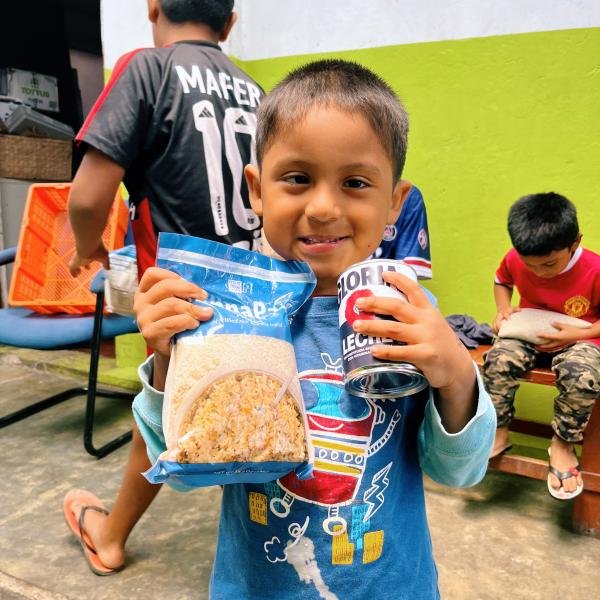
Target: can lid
[388,380]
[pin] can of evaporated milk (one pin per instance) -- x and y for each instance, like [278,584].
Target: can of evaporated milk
[364,374]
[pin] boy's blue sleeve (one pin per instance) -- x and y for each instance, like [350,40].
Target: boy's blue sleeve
[147,411]
[458,459]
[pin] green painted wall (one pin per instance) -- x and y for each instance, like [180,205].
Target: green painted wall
[491,119]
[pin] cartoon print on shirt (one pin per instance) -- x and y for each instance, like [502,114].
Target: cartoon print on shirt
[341,428]
[276,550]
[299,551]
[374,497]
[303,558]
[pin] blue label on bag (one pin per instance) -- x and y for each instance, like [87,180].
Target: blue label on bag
[249,292]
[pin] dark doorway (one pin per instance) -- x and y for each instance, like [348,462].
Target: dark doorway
[43,35]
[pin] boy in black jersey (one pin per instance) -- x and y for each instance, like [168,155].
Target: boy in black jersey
[176,124]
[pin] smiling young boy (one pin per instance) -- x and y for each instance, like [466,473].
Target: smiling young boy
[331,145]
[551,271]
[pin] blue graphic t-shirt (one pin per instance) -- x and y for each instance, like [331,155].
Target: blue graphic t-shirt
[358,528]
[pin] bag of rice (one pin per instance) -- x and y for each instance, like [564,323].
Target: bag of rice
[527,323]
[233,410]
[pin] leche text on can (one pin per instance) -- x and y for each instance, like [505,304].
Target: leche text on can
[365,375]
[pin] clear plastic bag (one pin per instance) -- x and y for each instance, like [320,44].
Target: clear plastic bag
[121,281]
[233,408]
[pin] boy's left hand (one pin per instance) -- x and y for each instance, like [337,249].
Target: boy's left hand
[565,336]
[431,345]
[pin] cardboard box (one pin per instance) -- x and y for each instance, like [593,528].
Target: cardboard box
[34,89]
[39,159]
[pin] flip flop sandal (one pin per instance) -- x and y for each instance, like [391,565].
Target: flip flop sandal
[560,493]
[76,527]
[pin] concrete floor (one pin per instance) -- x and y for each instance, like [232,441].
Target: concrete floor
[505,538]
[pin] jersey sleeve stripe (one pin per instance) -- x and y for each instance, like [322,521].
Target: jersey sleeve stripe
[116,73]
[498,281]
[421,266]
[417,262]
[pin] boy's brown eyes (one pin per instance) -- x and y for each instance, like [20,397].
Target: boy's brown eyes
[296,179]
[355,183]
[300,179]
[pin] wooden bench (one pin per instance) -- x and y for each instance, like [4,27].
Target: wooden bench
[586,511]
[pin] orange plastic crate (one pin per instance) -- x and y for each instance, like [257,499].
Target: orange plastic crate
[41,280]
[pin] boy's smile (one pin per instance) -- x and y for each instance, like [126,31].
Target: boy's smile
[326,192]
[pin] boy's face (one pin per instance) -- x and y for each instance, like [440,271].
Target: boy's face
[326,193]
[550,265]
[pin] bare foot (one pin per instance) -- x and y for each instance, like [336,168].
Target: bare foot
[110,552]
[563,458]
[501,442]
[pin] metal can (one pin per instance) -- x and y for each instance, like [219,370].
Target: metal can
[365,375]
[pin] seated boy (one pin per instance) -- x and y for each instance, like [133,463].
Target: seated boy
[331,145]
[551,271]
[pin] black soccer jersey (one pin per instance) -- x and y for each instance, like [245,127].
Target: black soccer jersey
[181,121]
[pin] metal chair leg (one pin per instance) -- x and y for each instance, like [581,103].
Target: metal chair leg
[37,407]
[92,391]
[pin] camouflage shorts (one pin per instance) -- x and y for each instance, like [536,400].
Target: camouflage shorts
[577,370]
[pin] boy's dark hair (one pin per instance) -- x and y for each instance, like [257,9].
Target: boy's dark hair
[213,13]
[539,224]
[340,84]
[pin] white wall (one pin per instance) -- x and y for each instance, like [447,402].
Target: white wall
[125,26]
[269,28]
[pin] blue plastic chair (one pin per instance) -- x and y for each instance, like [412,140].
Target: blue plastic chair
[24,328]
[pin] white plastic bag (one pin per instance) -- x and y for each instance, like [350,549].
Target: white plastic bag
[527,323]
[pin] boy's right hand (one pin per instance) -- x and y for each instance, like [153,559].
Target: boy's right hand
[162,308]
[502,315]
